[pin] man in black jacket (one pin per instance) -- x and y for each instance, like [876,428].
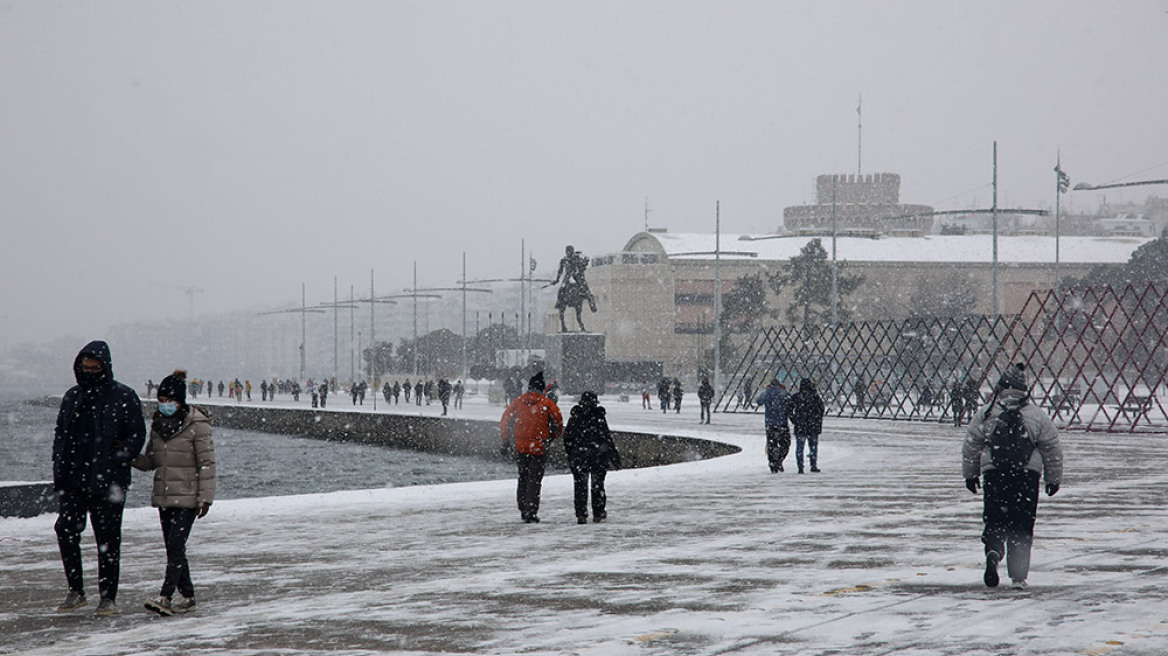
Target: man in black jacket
[100,428]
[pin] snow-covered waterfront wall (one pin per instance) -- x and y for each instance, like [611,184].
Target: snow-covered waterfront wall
[446,435]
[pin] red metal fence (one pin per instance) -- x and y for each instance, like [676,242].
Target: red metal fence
[1096,357]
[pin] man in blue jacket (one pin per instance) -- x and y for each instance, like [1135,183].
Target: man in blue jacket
[777,401]
[100,428]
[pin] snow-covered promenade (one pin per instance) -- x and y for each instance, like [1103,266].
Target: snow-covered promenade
[879,554]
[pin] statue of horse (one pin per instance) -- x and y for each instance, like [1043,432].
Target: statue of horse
[574,290]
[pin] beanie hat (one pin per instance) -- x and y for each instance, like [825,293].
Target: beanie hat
[1014,377]
[174,387]
[536,382]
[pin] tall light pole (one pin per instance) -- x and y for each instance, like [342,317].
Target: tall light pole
[834,259]
[304,311]
[1061,182]
[718,295]
[994,210]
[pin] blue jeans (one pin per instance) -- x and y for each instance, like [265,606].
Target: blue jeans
[812,449]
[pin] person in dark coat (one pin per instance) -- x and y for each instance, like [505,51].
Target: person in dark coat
[777,403]
[807,420]
[957,402]
[677,394]
[419,389]
[100,429]
[705,397]
[663,394]
[591,453]
[444,389]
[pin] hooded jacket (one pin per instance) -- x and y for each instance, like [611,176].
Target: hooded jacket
[1047,457]
[778,403]
[532,420]
[588,440]
[100,428]
[183,465]
[807,410]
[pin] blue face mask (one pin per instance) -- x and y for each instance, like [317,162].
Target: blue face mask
[168,408]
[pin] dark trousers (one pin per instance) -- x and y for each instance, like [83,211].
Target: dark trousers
[778,440]
[812,440]
[581,488]
[1010,506]
[705,413]
[530,483]
[176,528]
[106,515]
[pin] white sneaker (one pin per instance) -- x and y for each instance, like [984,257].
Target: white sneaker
[1018,584]
[160,605]
[183,605]
[106,607]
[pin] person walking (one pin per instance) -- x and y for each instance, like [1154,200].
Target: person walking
[1010,443]
[419,388]
[957,402]
[663,394]
[100,428]
[678,392]
[705,397]
[444,390]
[591,454]
[646,401]
[324,392]
[777,403]
[807,420]
[181,454]
[459,390]
[528,424]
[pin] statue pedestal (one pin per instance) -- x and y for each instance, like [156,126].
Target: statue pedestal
[576,360]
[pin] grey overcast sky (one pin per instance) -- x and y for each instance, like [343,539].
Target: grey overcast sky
[243,147]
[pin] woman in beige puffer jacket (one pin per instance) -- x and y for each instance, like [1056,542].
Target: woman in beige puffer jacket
[182,456]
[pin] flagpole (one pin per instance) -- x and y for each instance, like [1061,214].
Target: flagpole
[1061,182]
[859,135]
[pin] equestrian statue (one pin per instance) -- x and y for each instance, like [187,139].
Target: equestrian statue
[574,290]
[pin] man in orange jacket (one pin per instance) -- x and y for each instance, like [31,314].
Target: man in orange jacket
[530,422]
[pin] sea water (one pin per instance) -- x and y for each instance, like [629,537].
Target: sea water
[250,463]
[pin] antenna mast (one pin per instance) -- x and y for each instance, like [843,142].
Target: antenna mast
[859,135]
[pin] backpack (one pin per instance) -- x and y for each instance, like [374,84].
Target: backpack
[1010,444]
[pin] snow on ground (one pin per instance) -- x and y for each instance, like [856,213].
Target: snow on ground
[879,554]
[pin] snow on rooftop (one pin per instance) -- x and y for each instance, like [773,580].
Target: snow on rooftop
[931,248]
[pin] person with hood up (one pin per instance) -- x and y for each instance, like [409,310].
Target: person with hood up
[1010,495]
[529,423]
[100,428]
[807,419]
[705,398]
[182,456]
[591,453]
[777,402]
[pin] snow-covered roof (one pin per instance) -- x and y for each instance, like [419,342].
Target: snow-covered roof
[932,248]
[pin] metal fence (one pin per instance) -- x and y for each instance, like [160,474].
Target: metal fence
[1095,356]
